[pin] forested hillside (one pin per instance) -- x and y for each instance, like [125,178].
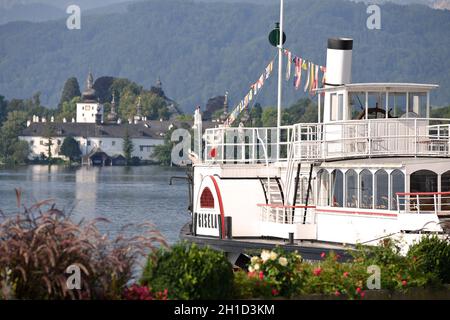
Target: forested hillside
[201,50]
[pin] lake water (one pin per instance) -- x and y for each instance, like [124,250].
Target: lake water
[122,195]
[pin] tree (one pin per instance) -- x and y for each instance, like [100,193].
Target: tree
[3,109]
[163,152]
[70,149]
[9,135]
[20,152]
[48,134]
[68,110]
[71,90]
[12,150]
[128,147]
[102,88]
[269,117]
[256,115]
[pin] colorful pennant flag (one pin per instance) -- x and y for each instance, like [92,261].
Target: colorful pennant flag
[307,79]
[288,66]
[298,72]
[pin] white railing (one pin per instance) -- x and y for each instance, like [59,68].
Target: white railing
[335,140]
[281,214]
[424,202]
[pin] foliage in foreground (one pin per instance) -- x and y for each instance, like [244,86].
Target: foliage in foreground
[277,273]
[433,256]
[38,245]
[189,272]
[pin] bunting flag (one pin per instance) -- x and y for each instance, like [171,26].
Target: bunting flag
[269,70]
[307,79]
[254,89]
[288,66]
[298,72]
[316,78]
[311,76]
[324,72]
[311,69]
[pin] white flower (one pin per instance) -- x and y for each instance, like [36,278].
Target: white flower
[254,260]
[265,255]
[251,269]
[273,255]
[257,266]
[283,261]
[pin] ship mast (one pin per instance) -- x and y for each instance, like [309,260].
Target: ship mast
[280,77]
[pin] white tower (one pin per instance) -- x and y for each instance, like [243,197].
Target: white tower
[89,110]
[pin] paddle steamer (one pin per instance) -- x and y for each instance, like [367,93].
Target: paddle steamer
[375,165]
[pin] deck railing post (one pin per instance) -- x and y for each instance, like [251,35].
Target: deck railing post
[291,238]
[435,204]
[415,137]
[229,227]
[369,139]
[418,203]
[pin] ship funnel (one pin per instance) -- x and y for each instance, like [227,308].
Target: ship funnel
[339,61]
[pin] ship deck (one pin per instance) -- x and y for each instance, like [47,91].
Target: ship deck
[309,250]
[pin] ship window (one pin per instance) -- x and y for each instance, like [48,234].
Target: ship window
[324,181]
[207,199]
[397,104]
[357,103]
[381,190]
[377,102]
[423,181]
[366,189]
[445,187]
[397,185]
[337,188]
[351,183]
[445,182]
[417,105]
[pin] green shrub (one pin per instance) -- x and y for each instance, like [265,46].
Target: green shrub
[190,273]
[333,277]
[250,285]
[433,256]
[282,270]
[398,272]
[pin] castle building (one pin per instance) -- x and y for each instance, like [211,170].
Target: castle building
[99,136]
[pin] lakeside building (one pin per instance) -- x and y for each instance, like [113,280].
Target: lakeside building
[99,137]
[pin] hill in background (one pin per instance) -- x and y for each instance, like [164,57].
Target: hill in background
[201,50]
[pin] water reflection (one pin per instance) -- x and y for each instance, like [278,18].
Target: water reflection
[122,195]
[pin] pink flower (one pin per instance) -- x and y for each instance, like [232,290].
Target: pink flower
[323,255]
[275,292]
[404,283]
[317,271]
[337,293]
[363,293]
[346,274]
[251,274]
[358,290]
[261,275]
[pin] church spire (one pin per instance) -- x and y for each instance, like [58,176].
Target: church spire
[112,116]
[89,94]
[158,83]
[90,80]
